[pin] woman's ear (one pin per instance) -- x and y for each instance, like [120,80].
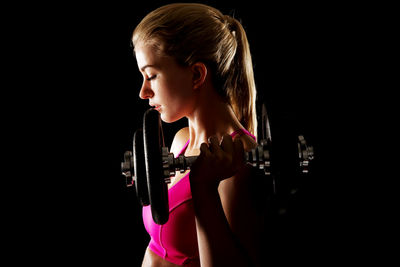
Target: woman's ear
[199,70]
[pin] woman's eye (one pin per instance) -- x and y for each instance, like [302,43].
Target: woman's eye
[151,77]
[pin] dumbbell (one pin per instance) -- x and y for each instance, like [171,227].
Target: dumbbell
[151,165]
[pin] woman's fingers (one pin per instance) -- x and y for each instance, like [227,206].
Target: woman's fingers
[220,159]
[204,149]
[227,144]
[213,143]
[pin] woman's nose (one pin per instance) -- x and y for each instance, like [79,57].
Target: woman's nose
[145,91]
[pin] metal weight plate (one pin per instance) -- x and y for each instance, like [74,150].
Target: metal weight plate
[157,188]
[140,168]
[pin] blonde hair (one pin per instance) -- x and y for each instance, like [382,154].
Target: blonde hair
[199,33]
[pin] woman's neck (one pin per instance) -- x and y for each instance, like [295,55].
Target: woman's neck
[212,117]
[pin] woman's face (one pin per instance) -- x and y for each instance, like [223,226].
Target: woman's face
[167,85]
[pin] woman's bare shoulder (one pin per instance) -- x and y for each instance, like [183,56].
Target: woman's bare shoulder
[180,140]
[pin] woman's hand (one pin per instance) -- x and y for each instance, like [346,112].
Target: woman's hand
[217,160]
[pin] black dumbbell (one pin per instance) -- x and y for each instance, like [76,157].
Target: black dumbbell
[159,165]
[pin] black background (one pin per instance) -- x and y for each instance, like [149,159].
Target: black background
[83,108]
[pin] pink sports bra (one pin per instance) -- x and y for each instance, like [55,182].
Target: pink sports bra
[176,240]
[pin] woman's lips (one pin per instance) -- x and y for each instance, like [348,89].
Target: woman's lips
[156,107]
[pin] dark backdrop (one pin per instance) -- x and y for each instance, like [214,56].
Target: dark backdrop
[304,56]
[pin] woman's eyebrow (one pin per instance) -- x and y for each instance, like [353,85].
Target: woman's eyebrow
[147,66]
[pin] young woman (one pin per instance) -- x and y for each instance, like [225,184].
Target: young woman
[196,63]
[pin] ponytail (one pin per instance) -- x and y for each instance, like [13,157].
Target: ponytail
[240,85]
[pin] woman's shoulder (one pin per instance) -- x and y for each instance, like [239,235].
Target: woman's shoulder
[180,139]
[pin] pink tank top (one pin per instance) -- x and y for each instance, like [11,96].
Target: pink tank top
[176,240]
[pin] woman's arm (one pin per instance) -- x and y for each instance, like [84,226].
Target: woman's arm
[217,245]
[221,228]
[242,199]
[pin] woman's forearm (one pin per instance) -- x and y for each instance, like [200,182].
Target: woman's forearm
[217,246]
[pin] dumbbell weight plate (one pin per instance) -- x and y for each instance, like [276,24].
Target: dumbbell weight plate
[157,188]
[140,168]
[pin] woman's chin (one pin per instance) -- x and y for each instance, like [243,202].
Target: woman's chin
[168,119]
